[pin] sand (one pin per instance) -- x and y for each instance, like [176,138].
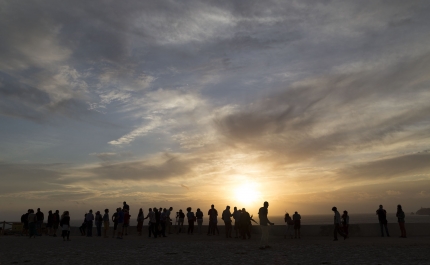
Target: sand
[203,249]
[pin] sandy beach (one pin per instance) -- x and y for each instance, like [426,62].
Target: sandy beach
[203,249]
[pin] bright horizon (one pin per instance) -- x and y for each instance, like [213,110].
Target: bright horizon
[305,105]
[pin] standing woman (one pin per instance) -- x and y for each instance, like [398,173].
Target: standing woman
[199,217]
[65,225]
[99,222]
[140,222]
[290,225]
[401,219]
[181,217]
[191,220]
[106,223]
[345,222]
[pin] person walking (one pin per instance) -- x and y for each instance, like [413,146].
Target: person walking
[337,223]
[55,222]
[151,223]
[89,219]
[139,220]
[345,222]
[297,220]
[199,217]
[191,219]
[32,219]
[99,223]
[401,219]
[65,225]
[226,217]
[264,225]
[290,225]
[382,218]
[106,223]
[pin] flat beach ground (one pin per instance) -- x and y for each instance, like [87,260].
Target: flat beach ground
[203,249]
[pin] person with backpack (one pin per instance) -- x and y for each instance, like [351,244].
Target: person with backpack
[382,218]
[65,225]
[55,222]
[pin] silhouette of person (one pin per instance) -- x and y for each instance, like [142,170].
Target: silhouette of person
[226,216]
[401,219]
[245,223]
[297,220]
[99,222]
[126,224]
[115,221]
[181,217]
[139,220]
[65,225]
[337,222]
[163,221]
[152,222]
[191,220]
[382,217]
[169,220]
[89,218]
[264,225]
[290,225]
[32,219]
[199,217]
[345,222]
[56,221]
[125,206]
[49,224]
[236,217]
[83,227]
[106,223]
[39,223]
[120,220]
[213,213]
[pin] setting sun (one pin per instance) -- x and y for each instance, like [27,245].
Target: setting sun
[247,193]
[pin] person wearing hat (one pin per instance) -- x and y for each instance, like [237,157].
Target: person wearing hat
[337,222]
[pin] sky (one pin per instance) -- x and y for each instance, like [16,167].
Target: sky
[304,104]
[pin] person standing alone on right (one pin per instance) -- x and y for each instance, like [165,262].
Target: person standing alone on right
[382,217]
[264,225]
[401,219]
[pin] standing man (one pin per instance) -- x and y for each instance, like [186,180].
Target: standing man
[297,219]
[236,217]
[264,224]
[213,213]
[56,222]
[89,220]
[125,206]
[120,218]
[337,222]
[382,217]
[226,214]
[40,217]
[168,220]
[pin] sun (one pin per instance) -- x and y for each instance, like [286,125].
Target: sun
[247,193]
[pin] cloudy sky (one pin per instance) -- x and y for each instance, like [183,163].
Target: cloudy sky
[186,103]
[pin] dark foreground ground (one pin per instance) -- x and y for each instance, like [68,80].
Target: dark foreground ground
[202,249]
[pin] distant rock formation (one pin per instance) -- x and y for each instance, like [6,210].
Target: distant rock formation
[423,211]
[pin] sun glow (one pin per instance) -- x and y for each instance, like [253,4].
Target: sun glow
[247,193]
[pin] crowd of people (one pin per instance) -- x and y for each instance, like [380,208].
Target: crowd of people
[161,222]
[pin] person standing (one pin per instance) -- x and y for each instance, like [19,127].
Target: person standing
[49,224]
[337,222]
[39,223]
[32,219]
[65,225]
[89,220]
[139,220]
[157,221]
[226,217]
[181,218]
[345,222]
[125,206]
[401,219]
[297,220]
[199,217]
[120,219]
[151,223]
[115,221]
[126,224]
[213,214]
[245,224]
[264,225]
[290,225]
[55,222]
[163,221]
[191,219]
[106,223]
[24,221]
[236,217]
[169,220]
[83,227]
[99,223]
[382,218]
